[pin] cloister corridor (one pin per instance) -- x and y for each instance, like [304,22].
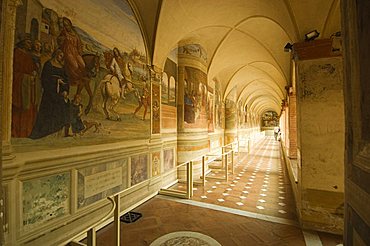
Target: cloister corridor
[255,207]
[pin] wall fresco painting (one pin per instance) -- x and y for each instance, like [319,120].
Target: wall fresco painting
[195,50]
[231,110]
[164,87]
[169,83]
[98,182]
[218,106]
[168,159]
[195,98]
[156,164]
[210,110]
[156,105]
[270,119]
[45,199]
[139,169]
[241,115]
[75,77]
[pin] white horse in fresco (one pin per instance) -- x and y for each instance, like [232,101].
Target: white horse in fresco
[112,91]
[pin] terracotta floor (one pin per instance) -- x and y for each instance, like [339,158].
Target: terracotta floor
[255,207]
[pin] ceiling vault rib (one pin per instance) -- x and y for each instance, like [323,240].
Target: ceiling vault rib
[268,51]
[330,12]
[286,80]
[268,85]
[236,28]
[293,19]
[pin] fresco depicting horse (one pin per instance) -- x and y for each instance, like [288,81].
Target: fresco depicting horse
[112,90]
[92,65]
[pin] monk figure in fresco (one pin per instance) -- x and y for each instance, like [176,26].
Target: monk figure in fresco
[71,45]
[24,108]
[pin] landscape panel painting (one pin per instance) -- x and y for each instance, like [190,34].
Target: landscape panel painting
[76,77]
[139,169]
[45,199]
[169,159]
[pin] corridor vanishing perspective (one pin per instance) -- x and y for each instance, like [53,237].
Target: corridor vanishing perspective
[243,120]
[255,207]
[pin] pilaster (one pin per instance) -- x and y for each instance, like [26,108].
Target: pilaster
[9,10]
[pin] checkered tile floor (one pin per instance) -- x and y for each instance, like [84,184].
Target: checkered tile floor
[259,184]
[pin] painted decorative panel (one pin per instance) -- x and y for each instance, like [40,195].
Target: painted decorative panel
[74,77]
[45,199]
[139,169]
[168,159]
[156,163]
[98,182]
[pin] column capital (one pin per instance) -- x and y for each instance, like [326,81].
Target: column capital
[11,5]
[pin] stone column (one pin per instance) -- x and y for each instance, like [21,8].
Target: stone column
[9,8]
[192,129]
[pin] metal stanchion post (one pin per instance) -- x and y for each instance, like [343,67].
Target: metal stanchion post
[91,237]
[116,219]
[204,170]
[232,161]
[226,169]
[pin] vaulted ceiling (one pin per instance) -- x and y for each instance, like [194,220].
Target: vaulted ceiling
[244,39]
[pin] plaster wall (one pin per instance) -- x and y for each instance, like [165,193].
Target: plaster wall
[321,143]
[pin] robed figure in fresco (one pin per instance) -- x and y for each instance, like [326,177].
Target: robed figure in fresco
[24,106]
[54,112]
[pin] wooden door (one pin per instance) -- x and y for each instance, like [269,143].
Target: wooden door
[356,48]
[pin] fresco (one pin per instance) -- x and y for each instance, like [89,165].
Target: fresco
[45,199]
[169,82]
[195,98]
[164,88]
[230,114]
[156,163]
[241,115]
[139,169]
[98,182]
[168,159]
[270,119]
[231,110]
[156,104]
[210,110]
[74,77]
[193,50]
[218,105]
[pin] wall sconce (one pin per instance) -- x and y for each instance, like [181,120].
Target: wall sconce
[288,47]
[311,35]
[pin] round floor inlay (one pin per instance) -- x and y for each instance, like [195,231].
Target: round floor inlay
[185,238]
